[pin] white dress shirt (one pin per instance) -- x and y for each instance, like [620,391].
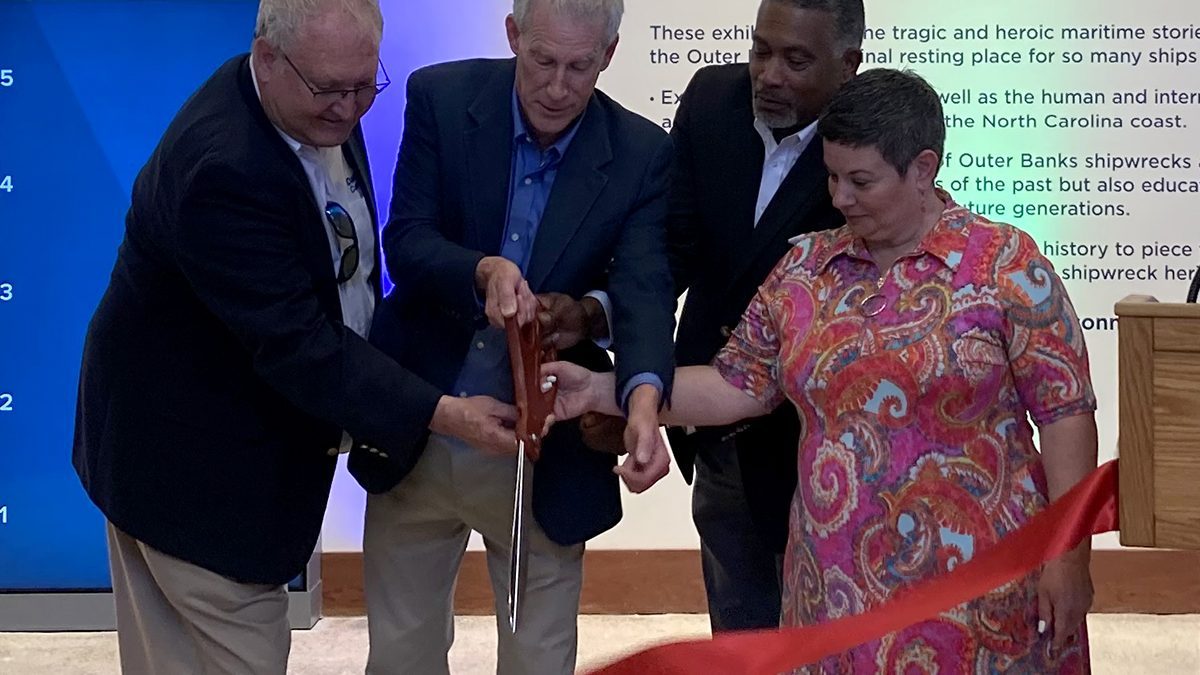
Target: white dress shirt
[778,161]
[332,180]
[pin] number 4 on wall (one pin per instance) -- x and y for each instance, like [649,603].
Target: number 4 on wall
[6,184]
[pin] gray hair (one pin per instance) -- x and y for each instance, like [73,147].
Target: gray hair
[280,21]
[848,17]
[608,10]
[894,111]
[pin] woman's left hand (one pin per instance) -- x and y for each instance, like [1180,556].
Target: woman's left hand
[1064,598]
[579,390]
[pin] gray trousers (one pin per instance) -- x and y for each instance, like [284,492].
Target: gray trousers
[741,572]
[413,544]
[174,617]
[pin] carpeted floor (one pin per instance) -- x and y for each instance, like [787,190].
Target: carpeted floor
[1121,645]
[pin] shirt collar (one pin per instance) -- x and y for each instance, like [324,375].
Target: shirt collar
[294,144]
[801,138]
[521,128]
[946,241]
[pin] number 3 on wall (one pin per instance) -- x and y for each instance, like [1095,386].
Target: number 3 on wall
[6,292]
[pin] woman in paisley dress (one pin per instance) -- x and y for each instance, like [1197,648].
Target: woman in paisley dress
[917,341]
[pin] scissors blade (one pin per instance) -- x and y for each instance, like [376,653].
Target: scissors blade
[518,554]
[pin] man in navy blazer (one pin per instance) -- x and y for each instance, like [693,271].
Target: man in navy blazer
[749,175]
[515,177]
[227,361]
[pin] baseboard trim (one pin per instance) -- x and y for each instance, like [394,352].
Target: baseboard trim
[669,582]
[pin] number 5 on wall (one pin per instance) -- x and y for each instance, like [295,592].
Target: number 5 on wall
[6,77]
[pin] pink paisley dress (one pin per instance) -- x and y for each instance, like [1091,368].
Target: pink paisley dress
[917,452]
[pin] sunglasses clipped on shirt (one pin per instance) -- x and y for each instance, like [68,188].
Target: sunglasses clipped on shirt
[343,225]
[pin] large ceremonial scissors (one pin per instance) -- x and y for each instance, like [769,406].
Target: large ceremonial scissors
[534,398]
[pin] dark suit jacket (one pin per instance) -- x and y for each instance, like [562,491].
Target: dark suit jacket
[217,373]
[720,257]
[606,212]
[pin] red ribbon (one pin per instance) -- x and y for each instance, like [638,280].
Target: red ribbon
[1089,508]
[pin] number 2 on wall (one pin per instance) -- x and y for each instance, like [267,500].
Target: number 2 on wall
[6,401]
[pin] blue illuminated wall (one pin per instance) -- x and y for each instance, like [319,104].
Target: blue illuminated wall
[94,84]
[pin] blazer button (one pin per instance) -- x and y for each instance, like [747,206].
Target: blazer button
[383,455]
[332,452]
[373,451]
[726,332]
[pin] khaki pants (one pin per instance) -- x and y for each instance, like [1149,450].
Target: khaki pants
[413,544]
[176,618]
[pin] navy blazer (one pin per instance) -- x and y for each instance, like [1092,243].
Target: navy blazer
[720,257]
[217,373]
[603,228]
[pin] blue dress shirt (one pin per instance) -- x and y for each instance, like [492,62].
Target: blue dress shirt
[486,370]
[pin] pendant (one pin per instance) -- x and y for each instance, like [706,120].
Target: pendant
[872,304]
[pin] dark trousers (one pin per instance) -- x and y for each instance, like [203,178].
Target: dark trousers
[741,572]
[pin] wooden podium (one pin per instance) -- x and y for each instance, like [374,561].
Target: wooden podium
[1159,444]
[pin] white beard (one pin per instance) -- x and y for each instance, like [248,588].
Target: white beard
[777,120]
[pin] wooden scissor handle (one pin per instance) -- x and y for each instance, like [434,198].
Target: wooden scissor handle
[527,355]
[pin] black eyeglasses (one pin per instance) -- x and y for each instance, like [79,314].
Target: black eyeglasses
[363,95]
[343,226]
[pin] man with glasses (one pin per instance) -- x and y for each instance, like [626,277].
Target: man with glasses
[515,177]
[226,366]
